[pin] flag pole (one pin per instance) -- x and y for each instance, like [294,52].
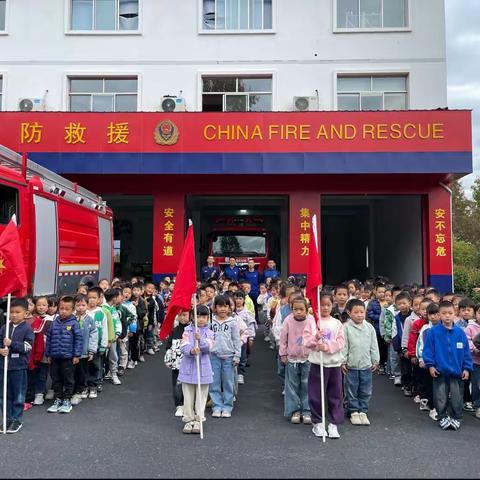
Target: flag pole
[197,360]
[322,379]
[5,367]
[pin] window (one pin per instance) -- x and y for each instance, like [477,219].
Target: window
[237,15]
[237,94]
[8,204]
[106,15]
[3,11]
[372,14]
[372,93]
[228,244]
[103,94]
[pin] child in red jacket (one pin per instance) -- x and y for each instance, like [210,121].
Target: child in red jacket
[418,387]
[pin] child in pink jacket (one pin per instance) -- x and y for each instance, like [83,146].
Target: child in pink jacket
[328,341]
[295,357]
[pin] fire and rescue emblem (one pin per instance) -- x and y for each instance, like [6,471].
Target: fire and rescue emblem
[166,133]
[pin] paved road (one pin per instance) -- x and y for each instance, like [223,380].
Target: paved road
[130,431]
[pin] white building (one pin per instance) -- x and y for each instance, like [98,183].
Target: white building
[350,54]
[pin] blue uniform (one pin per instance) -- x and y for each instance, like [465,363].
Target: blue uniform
[232,273]
[254,279]
[210,272]
[271,273]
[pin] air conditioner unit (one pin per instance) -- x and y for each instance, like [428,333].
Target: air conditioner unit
[31,105]
[173,104]
[305,104]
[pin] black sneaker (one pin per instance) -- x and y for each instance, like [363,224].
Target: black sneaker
[100,388]
[8,426]
[14,427]
[407,392]
[121,372]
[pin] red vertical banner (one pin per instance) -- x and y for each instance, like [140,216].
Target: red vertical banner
[440,239]
[302,208]
[168,232]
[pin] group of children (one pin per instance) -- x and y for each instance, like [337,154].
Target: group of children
[427,344]
[77,342]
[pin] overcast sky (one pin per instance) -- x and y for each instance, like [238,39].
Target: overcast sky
[463,63]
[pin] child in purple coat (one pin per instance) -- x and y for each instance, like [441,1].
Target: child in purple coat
[196,343]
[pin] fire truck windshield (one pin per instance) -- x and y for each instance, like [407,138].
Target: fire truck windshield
[229,244]
[8,203]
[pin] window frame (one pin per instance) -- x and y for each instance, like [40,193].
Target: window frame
[336,29]
[7,15]
[204,31]
[102,75]
[68,24]
[236,74]
[8,184]
[371,73]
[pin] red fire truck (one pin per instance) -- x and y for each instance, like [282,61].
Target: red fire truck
[66,231]
[242,237]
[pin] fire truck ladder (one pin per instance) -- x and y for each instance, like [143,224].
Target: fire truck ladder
[52,182]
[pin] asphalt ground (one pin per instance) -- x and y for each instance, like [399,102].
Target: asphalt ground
[130,431]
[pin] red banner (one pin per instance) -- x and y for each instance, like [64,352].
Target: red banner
[302,208]
[409,131]
[168,232]
[440,232]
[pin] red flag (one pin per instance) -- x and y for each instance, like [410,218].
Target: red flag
[13,278]
[185,285]
[314,274]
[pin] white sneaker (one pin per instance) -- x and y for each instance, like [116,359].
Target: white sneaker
[424,405]
[318,430]
[92,393]
[38,399]
[417,399]
[267,338]
[131,365]
[363,418]
[141,358]
[333,431]
[398,381]
[150,351]
[355,418]
[84,393]
[179,411]
[241,379]
[226,414]
[108,376]
[433,414]
[216,414]
[76,399]
[116,380]
[50,395]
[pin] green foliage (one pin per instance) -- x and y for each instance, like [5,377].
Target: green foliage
[465,280]
[466,254]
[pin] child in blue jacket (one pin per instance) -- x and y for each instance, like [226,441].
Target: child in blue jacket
[447,356]
[63,351]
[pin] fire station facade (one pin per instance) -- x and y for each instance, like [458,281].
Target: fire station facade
[378,181]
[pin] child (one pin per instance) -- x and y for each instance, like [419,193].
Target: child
[17,346]
[95,367]
[262,300]
[126,317]
[89,331]
[433,317]
[52,305]
[374,310]
[249,320]
[360,359]
[414,332]
[153,305]
[37,364]
[340,298]
[466,314]
[472,331]
[196,342]
[132,326]
[142,318]
[113,297]
[403,304]
[63,351]
[294,355]
[173,358]
[388,330]
[447,356]
[225,355]
[327,342]
[246,288]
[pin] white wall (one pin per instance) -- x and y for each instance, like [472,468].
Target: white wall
[170,54]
